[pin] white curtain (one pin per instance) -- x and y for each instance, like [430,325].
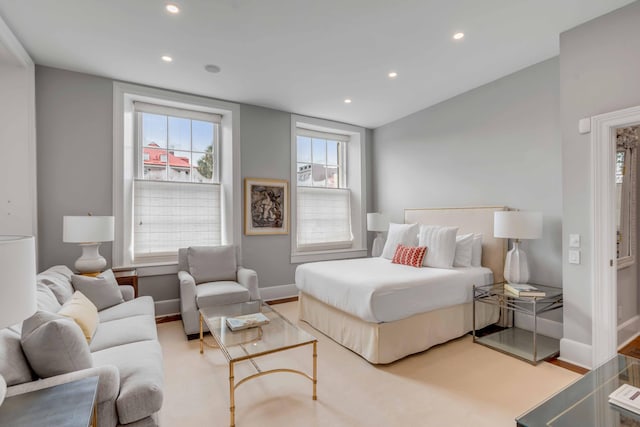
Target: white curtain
[172,215]
[323,218]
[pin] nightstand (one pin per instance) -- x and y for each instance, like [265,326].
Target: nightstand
[66,405]
[127,276]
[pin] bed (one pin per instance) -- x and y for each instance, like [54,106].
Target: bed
[384,311]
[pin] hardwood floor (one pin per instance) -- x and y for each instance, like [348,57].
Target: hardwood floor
[632,349]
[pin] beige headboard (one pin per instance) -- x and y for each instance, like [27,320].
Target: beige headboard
[469,220]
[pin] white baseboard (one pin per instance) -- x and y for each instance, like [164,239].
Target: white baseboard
[548,327]
[167,307]
[576,353]
[628,331]
[278,292]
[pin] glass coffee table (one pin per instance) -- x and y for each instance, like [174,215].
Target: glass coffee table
[247,344]
[585,403]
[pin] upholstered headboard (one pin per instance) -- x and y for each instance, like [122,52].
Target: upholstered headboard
[469,220]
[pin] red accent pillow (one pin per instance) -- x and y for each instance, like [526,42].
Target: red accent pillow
[409,255]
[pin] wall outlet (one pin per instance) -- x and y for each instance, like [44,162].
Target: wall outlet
[574,240]
[574,257]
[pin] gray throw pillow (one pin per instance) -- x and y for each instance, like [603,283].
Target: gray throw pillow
[212,263]
[47,300]
[13,364]
[103,291]
[54,345]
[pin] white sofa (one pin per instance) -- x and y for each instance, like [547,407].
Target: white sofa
[125,353]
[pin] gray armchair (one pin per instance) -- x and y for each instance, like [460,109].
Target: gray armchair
[210,276]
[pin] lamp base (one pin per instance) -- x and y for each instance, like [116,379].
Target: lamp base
[516,268]
[90,261]
[378,245]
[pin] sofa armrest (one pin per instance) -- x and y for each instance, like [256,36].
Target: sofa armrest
[249,279]
[127,292]
[187,292]
[108,383]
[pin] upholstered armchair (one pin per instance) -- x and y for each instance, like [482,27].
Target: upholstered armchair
[210,276]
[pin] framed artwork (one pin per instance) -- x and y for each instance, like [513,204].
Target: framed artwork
[266,206]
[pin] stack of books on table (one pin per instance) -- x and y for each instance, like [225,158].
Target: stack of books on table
[626,396]
[523,290]
[247,321]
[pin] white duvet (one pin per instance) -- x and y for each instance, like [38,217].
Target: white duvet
[375,290]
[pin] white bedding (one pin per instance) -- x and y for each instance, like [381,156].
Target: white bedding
[375,290]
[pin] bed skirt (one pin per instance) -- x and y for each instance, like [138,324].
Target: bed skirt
[388,342]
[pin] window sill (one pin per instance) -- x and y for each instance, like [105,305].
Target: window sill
[302,257]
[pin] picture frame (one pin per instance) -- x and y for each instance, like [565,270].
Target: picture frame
[266,206]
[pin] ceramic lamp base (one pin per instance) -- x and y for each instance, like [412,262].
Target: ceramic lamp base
[378,245]
[516,268]
[90,261]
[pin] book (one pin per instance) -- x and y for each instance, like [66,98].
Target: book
[523,290]
[247,321]
[626,396]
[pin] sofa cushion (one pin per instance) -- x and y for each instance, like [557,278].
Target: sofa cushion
[141,378]
[103,290]
[83,312]
[221,293]
[212,263]
[13,363]
[54,345]
[124,331]
[58,279]
[46,299]
[135,307]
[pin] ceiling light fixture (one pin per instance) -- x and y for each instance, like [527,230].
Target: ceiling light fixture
[347,101]
[458,36]
[212,68]
[393,75]
[167,58]
[172,8]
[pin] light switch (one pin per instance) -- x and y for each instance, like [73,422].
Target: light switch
[574,240]
[574,257]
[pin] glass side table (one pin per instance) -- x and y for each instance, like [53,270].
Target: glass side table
[523,344]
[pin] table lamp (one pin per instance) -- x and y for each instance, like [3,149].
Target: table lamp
[517,225]
[17,284]
[88,231]
[378,223]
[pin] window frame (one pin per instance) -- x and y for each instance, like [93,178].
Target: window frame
[124,168]
[355,179]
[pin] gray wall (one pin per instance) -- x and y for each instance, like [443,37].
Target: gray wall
[496,145]
[599,73]
[75,145]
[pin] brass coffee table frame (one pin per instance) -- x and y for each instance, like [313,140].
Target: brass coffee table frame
[233,385]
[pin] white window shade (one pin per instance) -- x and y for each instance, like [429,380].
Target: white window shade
[323,135]
[323,218]
[143,107]
[171,215]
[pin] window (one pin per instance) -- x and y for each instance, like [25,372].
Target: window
[176,175]
[328,196]
[176,190]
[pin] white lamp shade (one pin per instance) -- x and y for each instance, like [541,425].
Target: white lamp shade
[17,279]
[377,222]
[87,229]
[517,225]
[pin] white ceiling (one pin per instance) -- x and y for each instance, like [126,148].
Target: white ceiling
[303,56]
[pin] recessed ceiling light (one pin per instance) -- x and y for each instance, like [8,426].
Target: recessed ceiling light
[393,75]
[167,58]
[347,101]
[458,36]
[212,68]
[172,8]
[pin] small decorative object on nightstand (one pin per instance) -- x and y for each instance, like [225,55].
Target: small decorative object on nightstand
[379,223]
[127,277]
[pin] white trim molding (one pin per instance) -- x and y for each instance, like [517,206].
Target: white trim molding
[603,244]
[576,353]
[628,331]
[278,292]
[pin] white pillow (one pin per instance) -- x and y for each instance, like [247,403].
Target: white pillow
[404,234]
[441,245]
[464,243]
[476,251]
